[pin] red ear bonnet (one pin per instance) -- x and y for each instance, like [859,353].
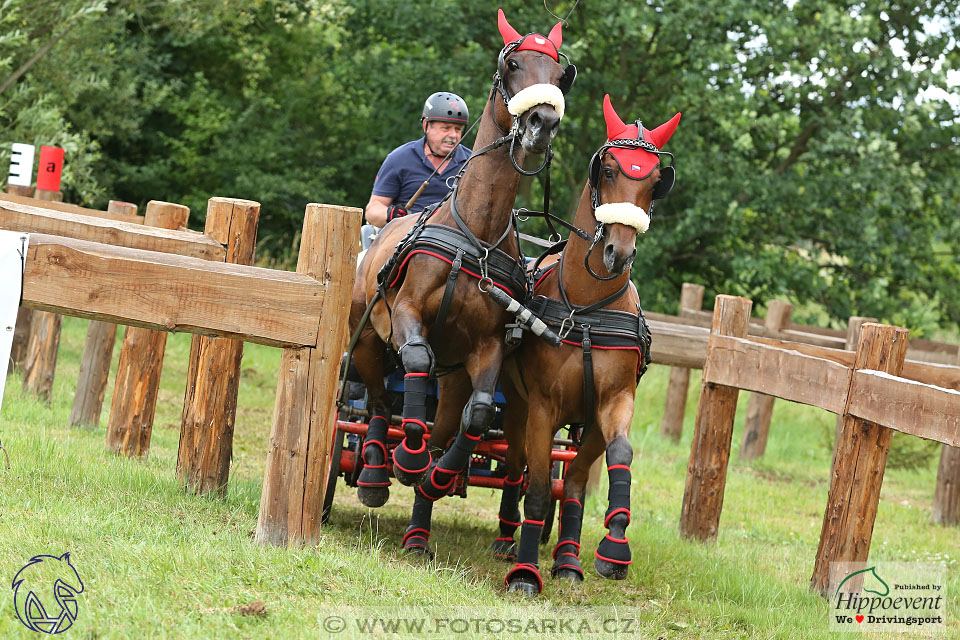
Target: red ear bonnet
[548,45]
[636,163]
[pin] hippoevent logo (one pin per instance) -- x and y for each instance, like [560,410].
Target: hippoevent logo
[887,596]
[45,594]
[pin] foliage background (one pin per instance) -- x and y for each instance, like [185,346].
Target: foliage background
[817,154]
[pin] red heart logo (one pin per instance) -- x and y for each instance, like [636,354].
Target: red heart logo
[859,618]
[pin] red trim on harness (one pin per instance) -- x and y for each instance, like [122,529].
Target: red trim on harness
[416,375]
[637,349]
[448,261]
[546,272]
[606,520]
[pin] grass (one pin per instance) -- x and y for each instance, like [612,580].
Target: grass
[160,563]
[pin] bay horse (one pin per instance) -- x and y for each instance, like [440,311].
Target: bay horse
[424,280]
[591,380]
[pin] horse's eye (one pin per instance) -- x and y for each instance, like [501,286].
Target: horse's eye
[512,65]
[608,173]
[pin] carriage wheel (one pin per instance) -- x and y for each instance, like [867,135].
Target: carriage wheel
[332,476]
[552,509]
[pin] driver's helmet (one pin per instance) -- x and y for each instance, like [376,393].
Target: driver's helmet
[444,106]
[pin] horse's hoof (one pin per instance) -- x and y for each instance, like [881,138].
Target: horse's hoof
[611,570]
[527,587]
[418,551]
[373,497]
[570,575]
[505,550]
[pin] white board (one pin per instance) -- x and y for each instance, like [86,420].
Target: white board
[21,164]
[13,245]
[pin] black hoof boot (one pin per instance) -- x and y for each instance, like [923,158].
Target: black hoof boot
[410,466]
[373,497]
[416,542]
[504,549]
[524,578]
[613,558]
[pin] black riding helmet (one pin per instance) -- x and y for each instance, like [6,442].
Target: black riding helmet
[444,106]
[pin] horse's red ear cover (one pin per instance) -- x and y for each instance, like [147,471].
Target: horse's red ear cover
[636,163]
[548,45]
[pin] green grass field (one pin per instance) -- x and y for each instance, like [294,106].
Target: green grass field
[159,563]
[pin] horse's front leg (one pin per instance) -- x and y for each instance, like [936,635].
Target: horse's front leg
[483,367]
[411,459]
[454,390]
[541,424]
[613,552]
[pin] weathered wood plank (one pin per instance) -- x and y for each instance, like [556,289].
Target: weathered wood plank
[907,406]
[172,293]
[860,457]
[756,428]
[303,420]
[141,360]
[748,364]
[119,216]
[33,219]
[213,377]
[678,345]
[946,497]
[691,299]
[710,450]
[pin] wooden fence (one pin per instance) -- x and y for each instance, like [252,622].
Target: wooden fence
[681,342]
[132,281]
[864,388]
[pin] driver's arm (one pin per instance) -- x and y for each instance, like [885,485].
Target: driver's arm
[376,211]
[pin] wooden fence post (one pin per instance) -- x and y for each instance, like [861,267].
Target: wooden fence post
[710,450]
[40,358]
[304,415]
[946,497]
[854,326]
[213,378]
[141,360]
[21,333]
[97,355]
[860,457]
[691,299]
[760,406]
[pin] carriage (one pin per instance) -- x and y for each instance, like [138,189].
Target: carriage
[487,465]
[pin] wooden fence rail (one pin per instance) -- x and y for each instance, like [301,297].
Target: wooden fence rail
[864,388]
[301,312]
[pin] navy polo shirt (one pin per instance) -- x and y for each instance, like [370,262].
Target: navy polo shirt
[405,169]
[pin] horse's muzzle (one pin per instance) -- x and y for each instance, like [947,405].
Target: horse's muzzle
[540,128]
[617,261]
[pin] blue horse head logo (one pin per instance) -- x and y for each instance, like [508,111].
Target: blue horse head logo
[45,594]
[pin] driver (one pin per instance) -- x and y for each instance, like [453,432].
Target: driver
[403,171]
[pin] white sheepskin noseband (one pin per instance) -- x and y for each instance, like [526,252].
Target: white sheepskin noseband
[624,213]
[536,94]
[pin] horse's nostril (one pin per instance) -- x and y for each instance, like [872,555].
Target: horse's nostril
[535,121]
